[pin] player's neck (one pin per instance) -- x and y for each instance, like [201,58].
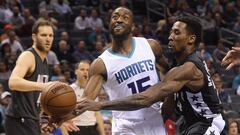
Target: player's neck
[81,83]
[122,46]
[180,57]
[41,54]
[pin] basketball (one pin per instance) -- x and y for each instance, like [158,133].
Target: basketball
[58,99]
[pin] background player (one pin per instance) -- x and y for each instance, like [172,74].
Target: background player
[26,82]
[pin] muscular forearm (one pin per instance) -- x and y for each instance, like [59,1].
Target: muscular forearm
[19,84]
[130,103]
[140,100]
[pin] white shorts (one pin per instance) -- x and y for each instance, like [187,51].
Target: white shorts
[151,126]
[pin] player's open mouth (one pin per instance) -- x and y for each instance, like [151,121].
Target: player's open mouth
[170,46]
[118,27]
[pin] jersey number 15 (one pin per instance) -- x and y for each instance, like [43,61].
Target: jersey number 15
[137,86]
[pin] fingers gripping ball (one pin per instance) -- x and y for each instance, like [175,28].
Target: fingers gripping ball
[58,99]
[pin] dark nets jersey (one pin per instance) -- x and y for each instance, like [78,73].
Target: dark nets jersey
[200,105]
[26,104]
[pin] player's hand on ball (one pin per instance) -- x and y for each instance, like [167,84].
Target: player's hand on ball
[70,126]
[87,105]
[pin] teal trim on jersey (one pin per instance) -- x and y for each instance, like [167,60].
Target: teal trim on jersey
[126,56]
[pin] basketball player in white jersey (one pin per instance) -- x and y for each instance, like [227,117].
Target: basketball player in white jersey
[126,68]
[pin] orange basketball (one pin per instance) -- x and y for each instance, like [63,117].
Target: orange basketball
[58,99]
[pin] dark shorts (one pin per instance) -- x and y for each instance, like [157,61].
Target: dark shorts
[86,130]
[22,126]
[213,127]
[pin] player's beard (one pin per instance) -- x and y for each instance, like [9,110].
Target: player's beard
[122,36]
[40,47]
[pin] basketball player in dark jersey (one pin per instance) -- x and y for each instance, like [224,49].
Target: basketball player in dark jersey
[27,80]
[195,95]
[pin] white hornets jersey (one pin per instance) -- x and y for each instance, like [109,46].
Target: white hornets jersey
[127,75]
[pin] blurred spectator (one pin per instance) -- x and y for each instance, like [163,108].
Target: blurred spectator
[5,51]
[238,90]
[81,22]
[4,16]
[106,5]
[29,20]
[236,80]
[1,88]
[236,26]
[63,51]
[17,20]
[62,8]
[106,19]
[97,35]
[15,3]
[44,15]
[4,71]
[210,66]
[65,65]
[68,76]
[137,31]
[237,5]
[81,52]
[65,36]
[220,22]
[52,58]
[183,8]
[223,94]
[230,13]
[99,49]
[202,7]
[94,20]
[203,53]
[209,22]
[219,52]
[46,5]
[233,127]
[217,7]
[14,43]
[93,3]
[56,72]
[172,7]
[5,100]
[147,32]
[7,29]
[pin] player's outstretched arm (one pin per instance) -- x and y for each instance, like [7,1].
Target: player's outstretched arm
[232,58]
[175,79]
[24,65]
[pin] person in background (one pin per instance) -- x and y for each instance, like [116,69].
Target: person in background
[89,123]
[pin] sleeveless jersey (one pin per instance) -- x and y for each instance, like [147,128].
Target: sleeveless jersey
[25,104]
[201,105]
[127,75]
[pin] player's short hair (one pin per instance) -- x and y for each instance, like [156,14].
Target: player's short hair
[193,26]
[39,24]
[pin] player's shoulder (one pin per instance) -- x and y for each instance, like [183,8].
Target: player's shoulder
[98,67]
[26,54]
[153,42]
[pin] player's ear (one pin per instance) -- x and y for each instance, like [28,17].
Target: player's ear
[133,27]
[34,37]
[192,39]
